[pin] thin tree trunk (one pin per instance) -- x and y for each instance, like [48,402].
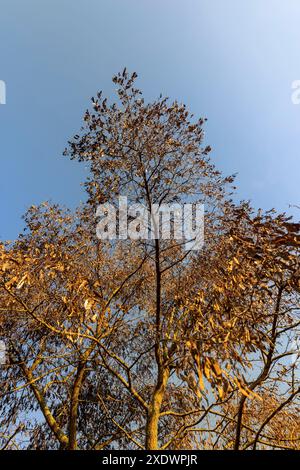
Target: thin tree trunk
[74,407]
[154,410]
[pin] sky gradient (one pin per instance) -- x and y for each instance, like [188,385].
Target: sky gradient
[231,61]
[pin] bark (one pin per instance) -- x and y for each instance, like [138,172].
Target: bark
[74,407]
[154,410]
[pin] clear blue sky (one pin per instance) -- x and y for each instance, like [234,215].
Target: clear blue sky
[232,61]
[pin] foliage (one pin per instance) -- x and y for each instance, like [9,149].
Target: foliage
[143,344]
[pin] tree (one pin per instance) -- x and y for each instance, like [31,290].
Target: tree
[148,343]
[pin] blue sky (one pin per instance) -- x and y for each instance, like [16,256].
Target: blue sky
[231,61]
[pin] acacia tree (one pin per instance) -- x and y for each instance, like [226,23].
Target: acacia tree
[146,343]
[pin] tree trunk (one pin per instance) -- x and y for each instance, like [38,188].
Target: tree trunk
[154,410]
[74,407]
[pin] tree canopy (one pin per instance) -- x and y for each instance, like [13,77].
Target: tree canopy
[145,344]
